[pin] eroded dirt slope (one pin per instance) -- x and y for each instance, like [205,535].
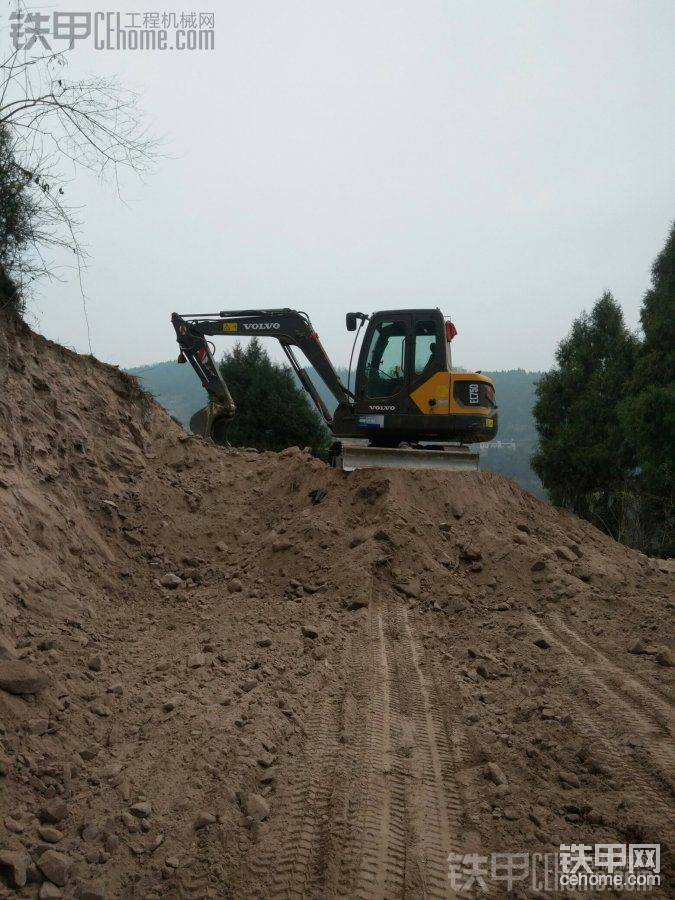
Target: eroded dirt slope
[241,674]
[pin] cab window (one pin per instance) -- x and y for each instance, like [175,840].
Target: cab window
[426,341]
[385,361]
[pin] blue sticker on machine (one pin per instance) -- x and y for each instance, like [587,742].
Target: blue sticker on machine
[371,421]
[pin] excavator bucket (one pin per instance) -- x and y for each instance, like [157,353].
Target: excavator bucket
[445,458]
[210,422]
[200,421]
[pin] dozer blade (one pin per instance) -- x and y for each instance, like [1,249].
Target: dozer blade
[448,458]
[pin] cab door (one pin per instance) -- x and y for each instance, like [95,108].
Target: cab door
[428,351]
[384,365]
[429,385]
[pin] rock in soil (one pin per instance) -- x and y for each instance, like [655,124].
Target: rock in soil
[19,677]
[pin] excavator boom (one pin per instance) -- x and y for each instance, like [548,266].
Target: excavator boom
[289,327]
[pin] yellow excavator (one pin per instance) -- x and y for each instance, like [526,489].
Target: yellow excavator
[407,409]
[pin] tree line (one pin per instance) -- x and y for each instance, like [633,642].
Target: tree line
[605,415]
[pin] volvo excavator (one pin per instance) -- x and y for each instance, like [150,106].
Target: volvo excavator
[407,409]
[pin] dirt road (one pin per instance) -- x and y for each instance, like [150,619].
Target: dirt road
[380,797]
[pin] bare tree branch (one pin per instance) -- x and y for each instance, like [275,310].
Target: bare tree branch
[47,122]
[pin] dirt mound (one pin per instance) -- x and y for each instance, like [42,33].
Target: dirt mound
[242,674]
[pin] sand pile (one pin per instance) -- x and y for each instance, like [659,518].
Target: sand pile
[240,674]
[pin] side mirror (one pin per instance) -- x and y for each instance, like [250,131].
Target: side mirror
[353,318]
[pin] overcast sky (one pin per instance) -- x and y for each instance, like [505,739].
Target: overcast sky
[505,161]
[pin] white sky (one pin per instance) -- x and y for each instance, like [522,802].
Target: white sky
[506,161]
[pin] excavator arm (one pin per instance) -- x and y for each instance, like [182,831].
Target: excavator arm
[290,327]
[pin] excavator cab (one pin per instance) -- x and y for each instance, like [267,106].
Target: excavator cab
[406,390]
[398,352]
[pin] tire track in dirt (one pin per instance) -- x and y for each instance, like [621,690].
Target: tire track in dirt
[302,812]
[460,786]
[199,879]
[338,861]
[412,818]
[382,858]
[650,785]
[372,810]
[619,680]
[193,885]
[315,848]
[650,716]
[441,824]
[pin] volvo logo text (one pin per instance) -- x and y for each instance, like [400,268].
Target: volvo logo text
[262,326]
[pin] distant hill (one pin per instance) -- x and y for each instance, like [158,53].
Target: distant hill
[517,440]
[179,391]
[176,387]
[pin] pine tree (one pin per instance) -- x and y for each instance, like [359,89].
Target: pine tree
[648,414]
[583,459]
[272,411]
